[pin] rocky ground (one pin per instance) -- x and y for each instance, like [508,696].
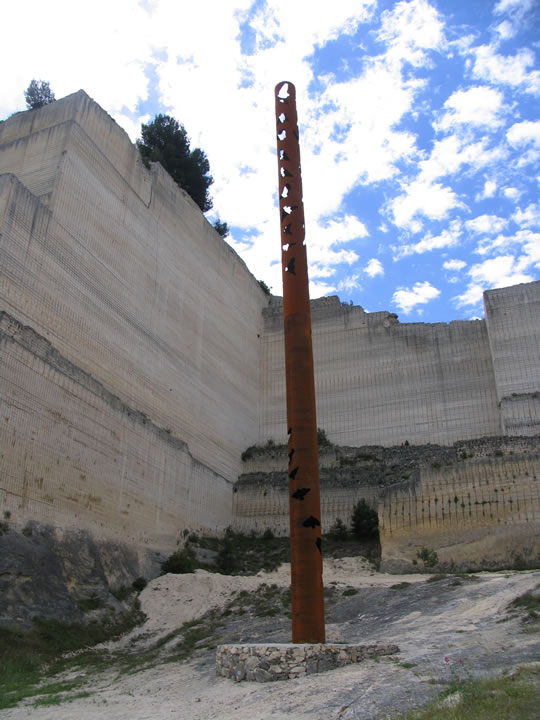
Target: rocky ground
[445,626]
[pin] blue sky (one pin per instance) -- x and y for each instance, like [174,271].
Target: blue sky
[419,122]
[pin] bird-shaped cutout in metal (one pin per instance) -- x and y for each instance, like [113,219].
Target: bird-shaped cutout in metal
[300,493]
[311,522]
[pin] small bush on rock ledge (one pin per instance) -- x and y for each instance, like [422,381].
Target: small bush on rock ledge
[428,556]
[180,562]
[338,531]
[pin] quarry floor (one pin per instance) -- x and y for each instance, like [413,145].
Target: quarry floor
[444,626]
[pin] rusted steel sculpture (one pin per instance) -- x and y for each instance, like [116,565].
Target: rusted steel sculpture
[304,491]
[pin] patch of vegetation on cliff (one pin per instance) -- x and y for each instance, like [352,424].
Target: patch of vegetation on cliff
[271,447]
[180,562]
[29,657]
[238,553]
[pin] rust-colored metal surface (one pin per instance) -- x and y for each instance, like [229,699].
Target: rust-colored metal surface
[304,490]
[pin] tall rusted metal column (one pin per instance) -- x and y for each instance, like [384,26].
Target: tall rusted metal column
[304,489]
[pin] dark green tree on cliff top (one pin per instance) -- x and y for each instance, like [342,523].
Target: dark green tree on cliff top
[165,140]
[38,94]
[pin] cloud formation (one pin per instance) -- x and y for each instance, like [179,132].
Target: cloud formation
[420,294]
[420,137]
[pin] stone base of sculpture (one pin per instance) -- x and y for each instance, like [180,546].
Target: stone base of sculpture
[269,662]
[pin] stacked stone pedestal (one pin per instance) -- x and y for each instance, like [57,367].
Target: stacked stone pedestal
[271,662]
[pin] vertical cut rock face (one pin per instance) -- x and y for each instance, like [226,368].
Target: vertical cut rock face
[131,368]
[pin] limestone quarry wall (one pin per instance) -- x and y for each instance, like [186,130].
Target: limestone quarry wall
[475,514]
[513,318]
[75,456]
[381,382]
[119,271]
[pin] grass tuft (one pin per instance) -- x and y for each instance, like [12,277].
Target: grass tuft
[511,697]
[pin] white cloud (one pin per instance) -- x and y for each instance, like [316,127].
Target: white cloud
[501,271]
[451,153]
[517,9]
[75,48]
[447,238]
[519,6]
[486,224]
[373,146]
[498,272]
[374,268]
[490,188]
[526,240]
[349,283]
[506,30]
[410,29]
[523,133]
[282,21]
[473,296]
[422,292]
[475,106]
[424,197]
[454,264]
[421,198]
[525,136]
[320,289]
[530,246]
[488,245]
[333,232]
[507,69]
[530,217]
[512,193]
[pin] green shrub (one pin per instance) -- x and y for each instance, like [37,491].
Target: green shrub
[121,593]
[322,438]
[180,562]
[428,556]
[338,531]
[226,559]
[365,521]
[139,584]
[264,287]
[254,450]
[87,604]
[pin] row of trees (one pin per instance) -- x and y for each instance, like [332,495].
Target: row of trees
[163,140]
